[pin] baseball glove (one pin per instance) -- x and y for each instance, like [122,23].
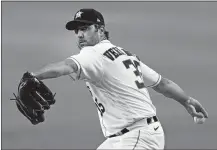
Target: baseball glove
[33,98]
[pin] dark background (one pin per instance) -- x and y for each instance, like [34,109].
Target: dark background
[177,39]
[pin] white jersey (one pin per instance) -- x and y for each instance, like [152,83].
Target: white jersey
[118,83]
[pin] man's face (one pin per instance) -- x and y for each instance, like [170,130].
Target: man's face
[87,36]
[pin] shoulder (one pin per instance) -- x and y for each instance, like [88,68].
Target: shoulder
[89,52]
[103,46]
[87,49]
[97,50]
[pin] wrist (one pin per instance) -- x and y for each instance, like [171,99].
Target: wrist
[35,75]
[188,101]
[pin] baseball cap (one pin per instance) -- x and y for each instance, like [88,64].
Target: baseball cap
[85,16]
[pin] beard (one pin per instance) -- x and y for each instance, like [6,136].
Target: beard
[81,44]
[85,43]
[79,47]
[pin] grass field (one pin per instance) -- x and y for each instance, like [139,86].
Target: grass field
[177,39]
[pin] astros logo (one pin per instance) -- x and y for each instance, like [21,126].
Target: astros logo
[78,14]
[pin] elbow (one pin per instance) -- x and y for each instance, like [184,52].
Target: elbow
[160,87]
[163,87]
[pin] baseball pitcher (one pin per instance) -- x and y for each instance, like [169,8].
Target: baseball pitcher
[118,82]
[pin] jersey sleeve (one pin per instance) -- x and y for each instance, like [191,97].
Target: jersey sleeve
[89,64]
[150,77]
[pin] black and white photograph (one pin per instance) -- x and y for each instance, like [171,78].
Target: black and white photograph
[108,75]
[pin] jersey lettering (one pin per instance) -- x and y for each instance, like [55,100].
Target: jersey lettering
[137,72]
[99,106]
[113,53]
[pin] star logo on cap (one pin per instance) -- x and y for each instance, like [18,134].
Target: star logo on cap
[78,14]
[98,20]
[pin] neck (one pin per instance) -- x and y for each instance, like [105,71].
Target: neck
[103,38]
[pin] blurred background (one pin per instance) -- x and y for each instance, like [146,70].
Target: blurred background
[177,39]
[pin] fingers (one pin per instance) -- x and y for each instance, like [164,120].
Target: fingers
[199,108]
[204,112]
[192,111]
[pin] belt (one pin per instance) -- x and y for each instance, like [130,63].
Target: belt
[125,130]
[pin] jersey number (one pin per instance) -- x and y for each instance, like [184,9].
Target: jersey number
[137,72]
[99,106]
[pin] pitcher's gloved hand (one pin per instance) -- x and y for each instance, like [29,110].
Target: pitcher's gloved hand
[33,98]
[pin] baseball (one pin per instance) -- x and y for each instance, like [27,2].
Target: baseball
[199,120]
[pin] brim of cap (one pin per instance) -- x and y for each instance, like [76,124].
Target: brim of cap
[74,24]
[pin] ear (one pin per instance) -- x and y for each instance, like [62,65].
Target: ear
[102,29]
